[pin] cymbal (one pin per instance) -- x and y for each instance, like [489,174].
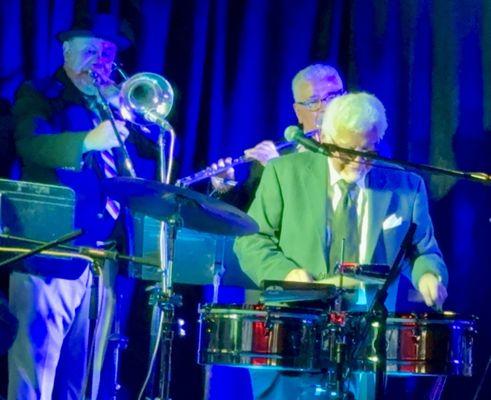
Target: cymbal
[194,210]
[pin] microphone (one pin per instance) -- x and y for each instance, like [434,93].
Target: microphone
[294,134]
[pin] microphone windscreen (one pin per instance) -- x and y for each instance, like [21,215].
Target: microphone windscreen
[291,132]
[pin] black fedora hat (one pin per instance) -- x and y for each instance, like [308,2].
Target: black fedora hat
[102,26]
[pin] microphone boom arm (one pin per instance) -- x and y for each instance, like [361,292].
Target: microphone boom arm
[328,149]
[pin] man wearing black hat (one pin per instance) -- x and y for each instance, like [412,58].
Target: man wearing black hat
[63,136]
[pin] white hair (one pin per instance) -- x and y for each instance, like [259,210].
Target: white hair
[314,73]
[354,112]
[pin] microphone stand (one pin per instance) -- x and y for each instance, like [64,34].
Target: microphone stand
[376,317]
[42,247]
[87,251]
[328,149]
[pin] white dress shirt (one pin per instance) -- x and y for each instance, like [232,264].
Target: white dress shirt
[361,205]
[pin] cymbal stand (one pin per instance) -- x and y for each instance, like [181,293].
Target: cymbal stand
[165,301]
[218,267]
[218,270]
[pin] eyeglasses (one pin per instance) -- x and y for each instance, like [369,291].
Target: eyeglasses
[317,104]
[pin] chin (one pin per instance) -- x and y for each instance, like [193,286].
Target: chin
[351,175]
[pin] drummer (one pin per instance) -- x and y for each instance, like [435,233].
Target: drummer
[307,204]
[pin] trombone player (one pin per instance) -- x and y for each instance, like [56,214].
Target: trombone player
[63,136]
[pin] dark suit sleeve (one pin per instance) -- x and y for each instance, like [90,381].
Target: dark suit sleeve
[37,141]
[260,255]
[242,195]
[7,149]
[426,255]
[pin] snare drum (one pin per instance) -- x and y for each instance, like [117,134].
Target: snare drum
[257,336]
[428,344]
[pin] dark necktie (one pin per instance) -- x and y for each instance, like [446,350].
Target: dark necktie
[106,157]
[345,226]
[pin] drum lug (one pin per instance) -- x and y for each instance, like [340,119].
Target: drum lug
[268,325]
[416,336]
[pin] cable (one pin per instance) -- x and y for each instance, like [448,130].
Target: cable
[481,382]
[154,356]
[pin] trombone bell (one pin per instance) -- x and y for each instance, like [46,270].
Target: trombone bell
[146,98]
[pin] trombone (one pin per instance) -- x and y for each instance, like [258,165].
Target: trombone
[144,99]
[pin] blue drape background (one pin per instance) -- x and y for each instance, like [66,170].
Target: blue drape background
[231,63]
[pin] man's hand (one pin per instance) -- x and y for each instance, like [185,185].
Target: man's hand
[219,181]
[102,137]
[298,275]
[432,290]
[262,152]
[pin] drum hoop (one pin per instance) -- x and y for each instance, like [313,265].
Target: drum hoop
[408,321]
[270,311]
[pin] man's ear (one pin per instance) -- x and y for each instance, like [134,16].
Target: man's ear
[298,112]
[66,48]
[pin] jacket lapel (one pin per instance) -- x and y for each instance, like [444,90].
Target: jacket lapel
[314,184]
[378,200]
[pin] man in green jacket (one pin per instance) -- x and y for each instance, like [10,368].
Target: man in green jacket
[307,204]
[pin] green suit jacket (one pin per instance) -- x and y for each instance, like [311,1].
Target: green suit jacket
[291,209]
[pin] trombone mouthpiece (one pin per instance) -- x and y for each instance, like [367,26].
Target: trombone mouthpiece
[96,77]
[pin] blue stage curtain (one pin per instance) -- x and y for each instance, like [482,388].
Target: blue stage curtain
[231,63]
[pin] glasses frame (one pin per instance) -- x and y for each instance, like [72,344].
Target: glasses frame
[316,104]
